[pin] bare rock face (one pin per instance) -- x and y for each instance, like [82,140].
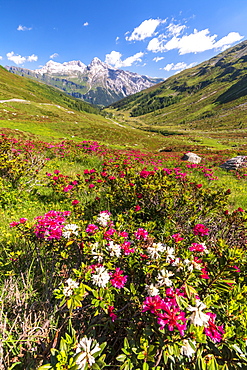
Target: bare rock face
[98,83]
[234,163]
[191,157]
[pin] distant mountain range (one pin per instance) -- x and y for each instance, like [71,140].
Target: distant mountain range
[211,95]
[98,83]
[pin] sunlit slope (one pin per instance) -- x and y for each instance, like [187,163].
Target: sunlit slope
[17,87]
[212,95]
[43,111]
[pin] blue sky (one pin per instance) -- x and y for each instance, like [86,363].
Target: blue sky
[151,37]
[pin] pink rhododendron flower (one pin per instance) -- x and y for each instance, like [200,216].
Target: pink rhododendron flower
[153,304]
[117,279]
[200,230]
[112,315]
[144,256]
[236,268]
[91,229]
[50,226]
[141,234]
[172,317]
[196,247]
[93,267]
[213,331]
[144,173]
[109,233]
[68,188]
[126,246]
[14,223]
[23,220]
[204,274]
[124,234]
[177,238]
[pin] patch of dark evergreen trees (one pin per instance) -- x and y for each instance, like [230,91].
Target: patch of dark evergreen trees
[152,104]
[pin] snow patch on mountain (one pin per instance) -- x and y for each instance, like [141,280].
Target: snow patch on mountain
[98,83]
[66,68]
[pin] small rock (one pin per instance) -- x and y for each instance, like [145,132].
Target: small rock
[191,157]
[234,163]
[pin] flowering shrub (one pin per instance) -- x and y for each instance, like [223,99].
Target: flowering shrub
[134,266]
[176,294]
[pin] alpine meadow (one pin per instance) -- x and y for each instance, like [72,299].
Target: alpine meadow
[123,236]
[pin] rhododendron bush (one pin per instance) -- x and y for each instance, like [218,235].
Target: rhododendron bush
[149,272]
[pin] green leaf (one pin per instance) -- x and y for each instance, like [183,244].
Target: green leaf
[95,366]
[121,358]
[19,363]
[145,366]
[212,364]
[200,364]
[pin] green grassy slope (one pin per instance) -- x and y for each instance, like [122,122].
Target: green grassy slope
[51,114]
[212,95]
[13,86]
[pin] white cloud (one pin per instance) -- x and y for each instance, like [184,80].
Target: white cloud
[180,66]
[226,41]
[117,38]
[85,24]
[175,29]
[23,28]
[1,57]
[157,59]
[196,42]
[18,59]
[114,59]
[55,55]
[146,29]
[32,58]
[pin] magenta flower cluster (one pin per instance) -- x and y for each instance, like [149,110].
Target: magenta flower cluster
[170,315]
[50,226]
[200,230]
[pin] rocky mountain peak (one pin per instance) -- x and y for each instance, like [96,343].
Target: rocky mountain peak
[66,68]
[97,83]
[97,63]
[75,63]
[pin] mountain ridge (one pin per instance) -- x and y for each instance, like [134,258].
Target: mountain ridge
[97,83]
[206,94]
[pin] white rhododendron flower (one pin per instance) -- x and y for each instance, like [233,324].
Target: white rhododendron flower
[192,265]
[186,348]
[71,285]
[101,277]
[103,219]
[69,230]
[85,352]
[198,317]
[114,249]
[155,249]
[163,278]
[170,254]
[96,253]
[152,290]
